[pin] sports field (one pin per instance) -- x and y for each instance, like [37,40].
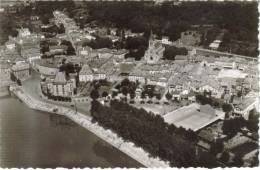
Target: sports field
[193,117]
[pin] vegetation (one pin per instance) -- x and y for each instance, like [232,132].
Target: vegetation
[94,94]
[217,147]
[165,19]
[227,108]
[205,99]
[99,42]
[148,131]
[70,68]
[170,20]
[232,126]
[136,46]
[171,51]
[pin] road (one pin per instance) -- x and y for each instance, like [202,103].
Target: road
[31,86]
[112,138]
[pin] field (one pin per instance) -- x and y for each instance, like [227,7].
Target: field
[193,116]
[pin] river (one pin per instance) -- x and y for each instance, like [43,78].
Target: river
[30,138]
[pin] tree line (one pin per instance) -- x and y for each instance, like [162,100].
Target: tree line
[148,131]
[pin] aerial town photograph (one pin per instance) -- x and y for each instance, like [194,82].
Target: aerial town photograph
[129,84]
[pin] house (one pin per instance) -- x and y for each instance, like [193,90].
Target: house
[191,96]
[24,32]
[166,41]
[21,70]
[244,106]
[137,75]
[84,51]
[47,68]
[5,70]
[215,44]
[10,45]
[176,95]
[232,74]
[99,75]
[60,86]
[62,49]
[86,74]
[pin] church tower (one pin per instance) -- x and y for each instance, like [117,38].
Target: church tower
[154,52]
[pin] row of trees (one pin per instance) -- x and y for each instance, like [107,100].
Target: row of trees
[148,131]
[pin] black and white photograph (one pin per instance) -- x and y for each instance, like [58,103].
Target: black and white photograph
[129,83]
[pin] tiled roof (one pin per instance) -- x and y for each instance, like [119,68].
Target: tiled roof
[60,78]
[85,70]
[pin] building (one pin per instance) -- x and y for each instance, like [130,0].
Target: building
[166,41]
[86,74]
[31,54]
[194,116]
[154,52]
[215,44]
[24,32]
[59,49]
[5,70]
[61,86]
[47,68]
[21,70]
[244,106]
[10,45]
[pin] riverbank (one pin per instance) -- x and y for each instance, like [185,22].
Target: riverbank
[128,148]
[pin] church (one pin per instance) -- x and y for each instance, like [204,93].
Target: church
[154,52]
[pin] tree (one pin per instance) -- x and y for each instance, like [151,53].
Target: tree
[94,94]
[143,95]
[125,90]
[255,160]
[237,160]
[227,107]
[13,77]
[125,82]
[132,94]
[100,43]
[19,82]
[104,94]
[168,96]
[232,126]
[158,96]
[225,156]
[171,51]
[217,147]
[147,131]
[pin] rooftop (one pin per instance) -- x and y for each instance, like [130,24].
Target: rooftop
[231,73]
[85,70]
[20,66]
[194,116]
[60,78]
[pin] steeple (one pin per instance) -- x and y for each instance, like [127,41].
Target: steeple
[151,39]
